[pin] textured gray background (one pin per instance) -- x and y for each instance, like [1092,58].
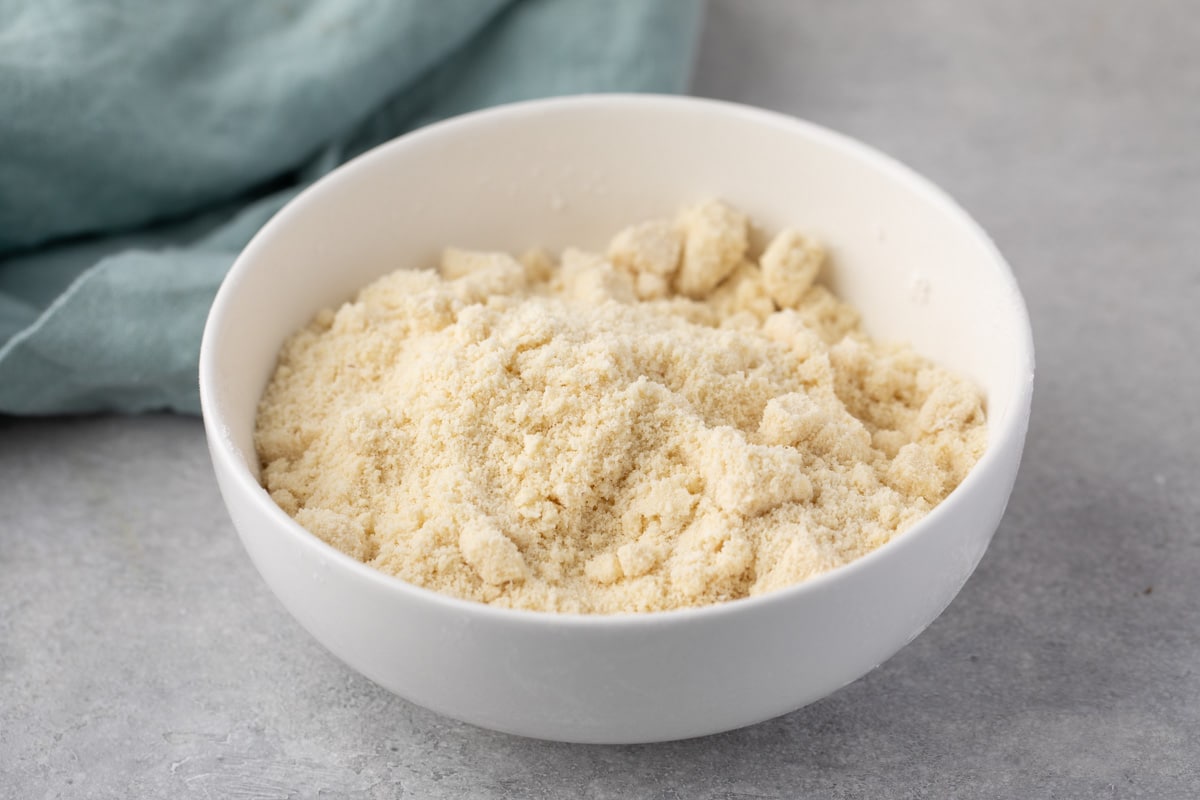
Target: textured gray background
[140,655]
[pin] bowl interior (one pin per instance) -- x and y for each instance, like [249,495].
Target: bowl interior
[573,172]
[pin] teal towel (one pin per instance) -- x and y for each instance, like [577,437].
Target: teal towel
[143,143]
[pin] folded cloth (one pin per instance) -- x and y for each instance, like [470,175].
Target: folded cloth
[143,144]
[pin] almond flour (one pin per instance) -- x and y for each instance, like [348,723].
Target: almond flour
[667,424]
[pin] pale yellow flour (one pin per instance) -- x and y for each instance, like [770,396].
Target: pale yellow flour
[666,424]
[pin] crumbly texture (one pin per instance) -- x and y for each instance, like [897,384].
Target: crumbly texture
[670,423]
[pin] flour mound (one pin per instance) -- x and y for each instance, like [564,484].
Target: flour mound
[667,424]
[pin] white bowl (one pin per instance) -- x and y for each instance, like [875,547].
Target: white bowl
[570,172]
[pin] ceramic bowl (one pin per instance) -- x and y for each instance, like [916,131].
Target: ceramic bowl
[570,172]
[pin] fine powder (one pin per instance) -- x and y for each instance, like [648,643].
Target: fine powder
[671,423]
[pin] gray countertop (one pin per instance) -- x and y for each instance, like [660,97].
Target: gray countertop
[141,656]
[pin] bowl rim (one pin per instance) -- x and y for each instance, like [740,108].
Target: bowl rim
[228,458]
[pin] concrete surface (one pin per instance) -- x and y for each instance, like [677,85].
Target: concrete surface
[141,656]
